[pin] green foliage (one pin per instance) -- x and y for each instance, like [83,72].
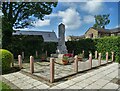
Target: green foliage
[79,46]
[103,45]
[18,15]
[50,47]
[4,87]
[6,59]
[101,21]
[80,55]
[29,44]
[109,44]
[65,58]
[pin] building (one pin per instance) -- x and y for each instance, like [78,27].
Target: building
[74,38]
[47,36]
[97,33]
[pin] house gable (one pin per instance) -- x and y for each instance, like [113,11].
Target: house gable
[91,33]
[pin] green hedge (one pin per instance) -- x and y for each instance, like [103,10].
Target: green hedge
[83,44]
[108,44]
[103,45]
[29,44]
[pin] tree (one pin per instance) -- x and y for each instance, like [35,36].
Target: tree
[17,14]
[101,21]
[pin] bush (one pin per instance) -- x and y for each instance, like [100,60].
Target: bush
[6,58]
[103,45]
[78,46]
[29,44]
[108,44]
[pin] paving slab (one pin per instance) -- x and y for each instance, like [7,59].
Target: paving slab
[111,86]
[94,79]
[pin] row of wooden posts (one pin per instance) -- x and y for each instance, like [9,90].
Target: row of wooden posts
[36,54]
[52,61]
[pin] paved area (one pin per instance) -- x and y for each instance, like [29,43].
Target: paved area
[102,78]
[42,69]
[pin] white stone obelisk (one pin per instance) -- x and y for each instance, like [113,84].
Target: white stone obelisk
[61,48]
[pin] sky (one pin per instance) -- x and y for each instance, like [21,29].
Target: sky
[78,17]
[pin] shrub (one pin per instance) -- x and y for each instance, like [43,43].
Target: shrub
[79,46]
[109,44]
[6,58]
[103,45]
[31,43]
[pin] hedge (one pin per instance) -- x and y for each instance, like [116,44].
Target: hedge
[29,44]
[102,45]
[78,46]
[108,44]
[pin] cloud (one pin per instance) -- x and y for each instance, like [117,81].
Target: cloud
[71,18]
[92,6]
[88,19]
[117,26]
[41,23]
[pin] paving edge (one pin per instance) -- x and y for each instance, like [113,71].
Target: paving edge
[12,86]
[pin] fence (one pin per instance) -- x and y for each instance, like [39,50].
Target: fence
[77,66]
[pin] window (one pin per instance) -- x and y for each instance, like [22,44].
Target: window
[91,35]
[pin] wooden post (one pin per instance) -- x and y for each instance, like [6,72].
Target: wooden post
[112,56]
[99,59]
[46,53]
[83,52]
[90,59]
[107,57]
[36,53]
[20,61]
[76,64]
[31,64]
[23,55]
[12,63]
[95,54]
[73,52]
[51,70]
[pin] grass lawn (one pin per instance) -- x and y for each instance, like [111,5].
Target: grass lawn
[4,87]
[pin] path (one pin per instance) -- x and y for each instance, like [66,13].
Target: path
[101,78]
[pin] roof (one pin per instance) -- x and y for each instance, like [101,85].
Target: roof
[47,36]
[82,36]
[115,30]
